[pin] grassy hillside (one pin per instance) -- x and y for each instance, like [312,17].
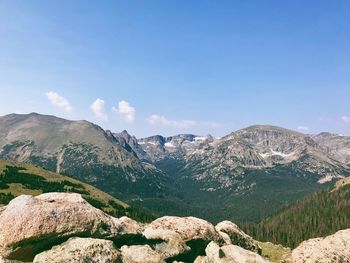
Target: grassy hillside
[18,178]
[320,214]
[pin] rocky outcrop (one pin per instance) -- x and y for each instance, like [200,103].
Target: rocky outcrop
[171,243]
[140,254]
[334,248]
[77,250]
[30,224]
[62,227]
[189,228]
[184,237]
[232,235]
[228,254]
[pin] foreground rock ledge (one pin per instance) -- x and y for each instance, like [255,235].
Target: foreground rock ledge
[77,250]
[62,227]
[333,248]
[29,225]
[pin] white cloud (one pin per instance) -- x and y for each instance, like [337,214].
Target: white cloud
[156,119]
[125,110]
[345,119]
[59,101]
[303,128]
[98,108]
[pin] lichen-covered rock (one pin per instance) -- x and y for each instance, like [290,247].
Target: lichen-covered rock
[126,226]
[29,225]
[233,235]
[140,254]
[77,250]
[192,236]
[173,244]
[229,254]
[188,228]
[334,248]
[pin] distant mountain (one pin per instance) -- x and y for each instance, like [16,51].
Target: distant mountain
[158,147]
[24,179]
[244,176]
[261,147]
[319,214]
[80,149]
[336,145]
[250,172]
[131,144]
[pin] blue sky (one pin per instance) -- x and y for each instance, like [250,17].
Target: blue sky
[167,67]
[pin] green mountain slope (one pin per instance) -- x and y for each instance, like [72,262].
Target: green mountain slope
[247,175]
[79,149]
[256,194]
[19,178]
[320,214]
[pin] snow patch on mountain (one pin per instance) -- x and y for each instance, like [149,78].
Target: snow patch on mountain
[169,144]
[272,153]
[329,178]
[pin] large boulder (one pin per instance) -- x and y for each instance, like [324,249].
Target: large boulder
[140,254]
[334,248]
[77,250]
[233,235]
[188,228]
[184,237]
[229,254]
[29,225]
[170,243]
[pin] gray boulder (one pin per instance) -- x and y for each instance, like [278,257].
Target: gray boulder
[29,225]
[233,235]
[140,254]
[334,248]
[229,254]
[77,250]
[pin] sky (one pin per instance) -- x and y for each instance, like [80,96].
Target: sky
[179,66]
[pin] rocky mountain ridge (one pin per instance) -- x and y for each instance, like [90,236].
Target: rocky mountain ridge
[78,148]
[62,227]
[174,147]
[256,147]
[182,174]
[268,164]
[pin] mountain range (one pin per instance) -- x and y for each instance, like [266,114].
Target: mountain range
[244,176]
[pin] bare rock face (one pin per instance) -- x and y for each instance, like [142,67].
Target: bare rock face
[334,248]
[140,254]
[77,250]
[30,224]
[189,228]
[233,235]
[172,244]
[228,254]
[192,236]
[126,226]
